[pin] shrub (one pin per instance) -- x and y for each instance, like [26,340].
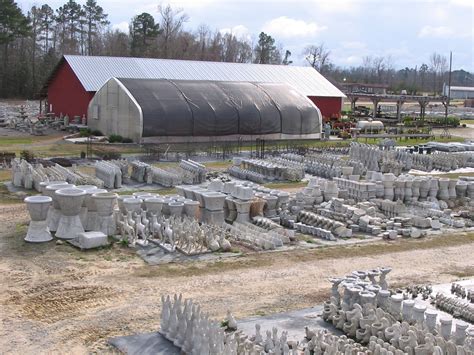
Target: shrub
[127,140]
[108,155]
[115,138]
[27,155]
[96,132]
[84,132]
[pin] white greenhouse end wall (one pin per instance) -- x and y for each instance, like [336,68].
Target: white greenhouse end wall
[113,110]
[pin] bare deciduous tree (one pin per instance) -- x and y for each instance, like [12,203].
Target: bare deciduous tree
[172,21]
[317,56]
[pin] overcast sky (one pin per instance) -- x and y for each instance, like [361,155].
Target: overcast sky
[408,31]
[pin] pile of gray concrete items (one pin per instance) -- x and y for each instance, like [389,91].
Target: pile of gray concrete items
[389,212]
[81,214]
[170,221]
[113,172]
[261,171]
[386,322]
[31,176]
[193,172]
[396,161]
[23,123]
[141,172]
[325,165]
[372,318]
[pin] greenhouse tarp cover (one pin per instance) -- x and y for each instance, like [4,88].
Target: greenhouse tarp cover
[217,108]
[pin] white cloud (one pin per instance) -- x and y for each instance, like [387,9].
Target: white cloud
[436,32]
[353,45]
[239,31]
[121,26]
[285,27]
[467,3]
[337,5]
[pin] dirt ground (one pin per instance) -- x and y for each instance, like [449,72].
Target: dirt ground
[55,299]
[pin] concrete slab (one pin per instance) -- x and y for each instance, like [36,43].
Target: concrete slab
[155,255]
[293,322]
[144,344]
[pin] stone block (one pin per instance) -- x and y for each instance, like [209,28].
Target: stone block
[91,240]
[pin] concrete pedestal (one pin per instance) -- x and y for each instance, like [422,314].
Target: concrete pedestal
[213,217]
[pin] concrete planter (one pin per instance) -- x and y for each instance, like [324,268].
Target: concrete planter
[154,205]
[105,202]
[38,207]
[191,208]
[214,201]
[70,201]
[176,208]
[132,205]
[54,210]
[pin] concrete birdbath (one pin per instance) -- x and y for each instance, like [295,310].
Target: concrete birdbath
[70,201]
[83,214]
[91,223]
[105,203]
[54,213]
[38,207]
[43,184]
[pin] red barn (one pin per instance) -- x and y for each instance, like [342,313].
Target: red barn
[75,79]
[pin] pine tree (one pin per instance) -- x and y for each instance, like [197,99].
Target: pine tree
[265,49]
[94,19]
[13,25]
[143,31]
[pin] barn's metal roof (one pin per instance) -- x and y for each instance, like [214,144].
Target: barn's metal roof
[93,72]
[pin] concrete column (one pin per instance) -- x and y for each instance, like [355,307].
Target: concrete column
[375,101]
[422,104]
[399,108]
[353,103]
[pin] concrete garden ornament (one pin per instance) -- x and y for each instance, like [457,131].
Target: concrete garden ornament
[38,230]
[70,202]
[105,203]
[54,213]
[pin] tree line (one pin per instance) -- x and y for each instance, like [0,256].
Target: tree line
[33,42]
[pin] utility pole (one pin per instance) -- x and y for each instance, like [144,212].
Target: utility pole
[446,105]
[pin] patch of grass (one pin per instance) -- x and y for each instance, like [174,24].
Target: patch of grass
[197,268]
[5,175]
[412,141]
[218,165]
[467,271]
